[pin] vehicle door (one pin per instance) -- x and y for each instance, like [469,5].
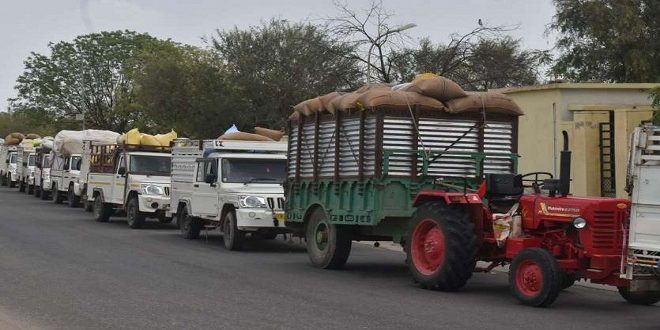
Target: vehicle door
[204,193]
[56,170]
[63,183]
[119,180]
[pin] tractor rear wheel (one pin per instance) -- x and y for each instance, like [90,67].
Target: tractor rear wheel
[639,298]
[534,277]
[328,245]
[441,249]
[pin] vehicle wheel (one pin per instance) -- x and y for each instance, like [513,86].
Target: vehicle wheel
[566,280]
[534,277]
[30,189]
[3,180]
[44,193]
[441,249]
[189,226]
[133,214]
[328,245]
[12,184]
[102,211]
[639,298]
[233,237]
[56,195]
[37,191]
[21,186]
[87,205]
[72,199]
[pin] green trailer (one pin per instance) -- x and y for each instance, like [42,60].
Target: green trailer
[353,174]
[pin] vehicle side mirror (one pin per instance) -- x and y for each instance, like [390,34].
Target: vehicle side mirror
[210,178]
[121,171]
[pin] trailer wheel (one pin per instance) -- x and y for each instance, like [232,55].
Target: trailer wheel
[135,217]
[56,195]
[534,277]
[189,225]
[441,249]
[72,199]
[102,211]
[328,245]
[232,237]
[644,298]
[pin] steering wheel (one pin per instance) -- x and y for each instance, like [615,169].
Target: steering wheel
[534,181]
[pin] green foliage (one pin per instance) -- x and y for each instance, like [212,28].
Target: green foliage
[608,40]
[90,75]
[279,64]
[655,102]
[479,64]
[188,89]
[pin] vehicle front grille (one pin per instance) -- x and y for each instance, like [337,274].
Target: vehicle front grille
[607,229]
[275,204]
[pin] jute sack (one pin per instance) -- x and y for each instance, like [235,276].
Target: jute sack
[380,98]
[244,137]
[326,101]
[33,136]
[490,101]
[14,139]
[437,87]
[345,102]
[269,133]
[309,107]
[369,87]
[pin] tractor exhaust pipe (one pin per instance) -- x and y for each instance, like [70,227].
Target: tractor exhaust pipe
[565,168]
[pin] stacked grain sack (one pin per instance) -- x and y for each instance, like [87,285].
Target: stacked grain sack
[71,142]
[14,139]
[260,134]
[427,91]
[134,137]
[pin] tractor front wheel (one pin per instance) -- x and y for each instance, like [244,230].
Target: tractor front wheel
[534,277]
[644,298]
[441,249]
[328,245]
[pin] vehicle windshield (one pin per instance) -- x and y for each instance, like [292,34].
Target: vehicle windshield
[12,158]
[244,170]
[46,163]
[75,163]
[31,160]
[151,165]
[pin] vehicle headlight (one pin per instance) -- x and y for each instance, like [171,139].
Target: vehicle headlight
[252,201]
[579,222]
[152,189]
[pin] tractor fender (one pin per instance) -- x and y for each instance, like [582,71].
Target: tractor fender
[447,197]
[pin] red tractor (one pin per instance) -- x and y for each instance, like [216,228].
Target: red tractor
[555,238]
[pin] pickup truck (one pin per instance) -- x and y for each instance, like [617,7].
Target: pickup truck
[134,179]
[42,173]
[8,165]
[25,169]
[642,258]
[236,186]
[64,176]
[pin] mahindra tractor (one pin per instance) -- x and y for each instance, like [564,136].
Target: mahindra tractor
[548,238]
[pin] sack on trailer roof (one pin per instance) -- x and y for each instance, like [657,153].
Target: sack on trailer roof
[71,142]
[383,98]
[269,133]
[14,139]
[437,87]
[244,136]
[490,101]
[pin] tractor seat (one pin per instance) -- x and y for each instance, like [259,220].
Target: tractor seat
[504,188]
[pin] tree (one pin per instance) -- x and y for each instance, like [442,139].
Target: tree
[188,89]
[371,36]
[92,75]
[655,97]
[479,60]
[279,64]
[608,40]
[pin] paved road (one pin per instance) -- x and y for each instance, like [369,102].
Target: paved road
[61,270]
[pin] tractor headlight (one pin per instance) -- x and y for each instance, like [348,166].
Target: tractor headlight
[252,201]
[152,189]
[579,222]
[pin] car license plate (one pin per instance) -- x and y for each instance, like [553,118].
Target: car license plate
[280,216]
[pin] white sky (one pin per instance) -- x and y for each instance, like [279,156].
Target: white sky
[29,25]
